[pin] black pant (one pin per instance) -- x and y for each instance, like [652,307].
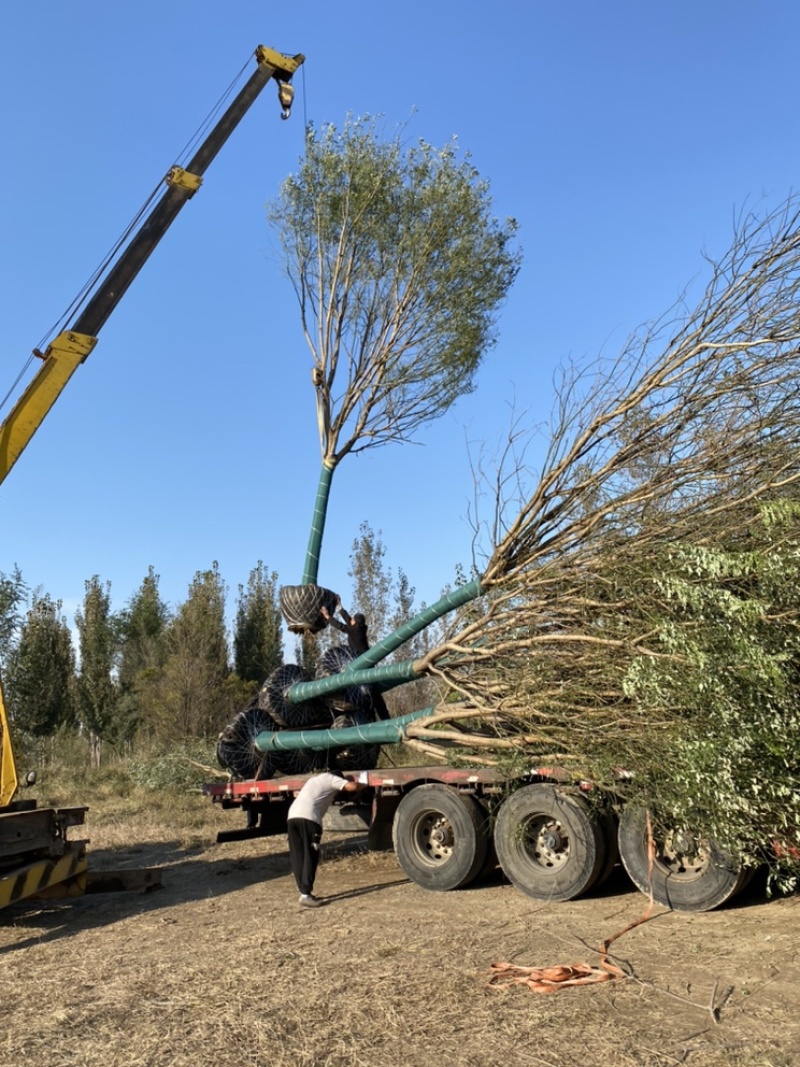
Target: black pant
[304,838]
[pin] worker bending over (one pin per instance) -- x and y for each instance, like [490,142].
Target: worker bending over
[304,828]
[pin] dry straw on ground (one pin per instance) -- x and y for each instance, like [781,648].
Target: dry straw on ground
[222,969]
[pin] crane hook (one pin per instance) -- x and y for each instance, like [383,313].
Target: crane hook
[285,96]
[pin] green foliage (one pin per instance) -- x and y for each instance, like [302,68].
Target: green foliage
[143,623]
[307,653]
[183,765]
[13,592]
[372,580]
[65,773]
[640,610]
[40,681]
[388,602]
[66,776]
[142,627]
[190,696]
[727,679]
[96,692]
[257,637]
[399,268]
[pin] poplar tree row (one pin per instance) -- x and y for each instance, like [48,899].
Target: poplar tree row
[145,671]
[150,672]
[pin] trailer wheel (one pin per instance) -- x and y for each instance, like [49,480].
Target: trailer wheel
[548,844]
[686,874]
[440,838]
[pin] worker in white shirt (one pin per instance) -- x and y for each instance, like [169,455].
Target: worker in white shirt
[304,828]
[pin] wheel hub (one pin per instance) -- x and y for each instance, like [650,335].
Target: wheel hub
[683,855]
[552,841]
[683,842]
[548,845]
[442,835]
[434,838]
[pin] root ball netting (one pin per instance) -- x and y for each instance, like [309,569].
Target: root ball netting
[301,607]
[236,750]
[300,761]
[236,745]
[272,699]
[355,698]
[355,757]
[271,711]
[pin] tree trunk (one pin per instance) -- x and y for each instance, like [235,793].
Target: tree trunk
[318,525]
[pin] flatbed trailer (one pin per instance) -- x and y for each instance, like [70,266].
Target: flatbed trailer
[555,837]
[445,824]
[267,802]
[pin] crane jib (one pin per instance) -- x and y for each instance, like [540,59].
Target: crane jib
[72,345]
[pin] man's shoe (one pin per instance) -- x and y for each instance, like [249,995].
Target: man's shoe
[308,900]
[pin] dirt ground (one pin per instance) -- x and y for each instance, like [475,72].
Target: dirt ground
[220,967]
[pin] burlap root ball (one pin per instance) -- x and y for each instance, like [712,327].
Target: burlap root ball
[236,749]
[352,698]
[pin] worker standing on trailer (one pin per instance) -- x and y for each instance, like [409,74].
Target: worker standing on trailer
[304,827]
[355,627]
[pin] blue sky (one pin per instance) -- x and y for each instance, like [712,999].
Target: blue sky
[623,136]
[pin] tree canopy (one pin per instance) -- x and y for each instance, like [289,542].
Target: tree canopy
[399,268]
[41,670]
[257,637]
[96,693]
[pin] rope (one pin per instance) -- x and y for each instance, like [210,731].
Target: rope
[552,979]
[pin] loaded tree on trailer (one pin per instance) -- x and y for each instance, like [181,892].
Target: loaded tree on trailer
[636,609]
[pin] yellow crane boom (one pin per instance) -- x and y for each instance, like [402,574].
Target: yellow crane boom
[71,347]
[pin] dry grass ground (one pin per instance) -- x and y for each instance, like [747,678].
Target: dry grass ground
[220,967]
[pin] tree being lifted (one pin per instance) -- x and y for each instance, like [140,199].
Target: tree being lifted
[399,269]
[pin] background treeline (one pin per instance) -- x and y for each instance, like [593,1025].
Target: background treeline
[152,674]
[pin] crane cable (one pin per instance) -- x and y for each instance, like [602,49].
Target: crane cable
[211,117]
[133,226]
[91,283]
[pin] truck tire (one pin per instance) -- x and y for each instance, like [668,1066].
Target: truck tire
[687,874]
[548,843]
[441,838]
